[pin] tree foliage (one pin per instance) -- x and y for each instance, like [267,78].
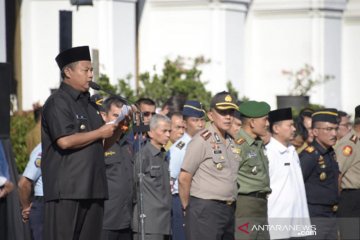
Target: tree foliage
[21,123]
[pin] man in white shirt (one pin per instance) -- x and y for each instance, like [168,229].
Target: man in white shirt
[287,205]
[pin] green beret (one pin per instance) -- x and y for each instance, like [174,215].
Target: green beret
[254,109]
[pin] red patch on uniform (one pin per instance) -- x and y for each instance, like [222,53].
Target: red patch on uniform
[347,150]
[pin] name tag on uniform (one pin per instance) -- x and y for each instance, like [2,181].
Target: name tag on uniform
[217,151]
[287,164]
[81,117]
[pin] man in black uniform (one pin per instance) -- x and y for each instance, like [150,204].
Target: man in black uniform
[153,162]
[119,173]
[321,173]
[73,153]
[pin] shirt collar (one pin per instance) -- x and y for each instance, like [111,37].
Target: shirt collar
[280,147]
[246,136]
[154,151]
[320,148]
[75,94]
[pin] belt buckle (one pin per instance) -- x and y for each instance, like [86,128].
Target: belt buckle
[335,208]
[229,202]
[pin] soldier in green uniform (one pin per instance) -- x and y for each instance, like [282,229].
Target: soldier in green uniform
[348,156]
[253,175]
[207,181]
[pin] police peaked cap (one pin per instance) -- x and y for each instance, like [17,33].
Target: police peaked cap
[193,109]
[223,101]
[73,55]
[326,115]
[254,109]
[280,115]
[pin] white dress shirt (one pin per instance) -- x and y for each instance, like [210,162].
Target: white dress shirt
[287,204]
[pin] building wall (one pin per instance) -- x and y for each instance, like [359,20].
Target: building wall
[248,43]
[108,26]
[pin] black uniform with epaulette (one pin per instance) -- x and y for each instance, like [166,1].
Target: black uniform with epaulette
[118,208]
[321,171]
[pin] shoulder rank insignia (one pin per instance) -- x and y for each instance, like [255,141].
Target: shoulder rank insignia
[180,145]
[310,149]
[205,135]
[354,139]
[109,153]
[240,141]
[347,151]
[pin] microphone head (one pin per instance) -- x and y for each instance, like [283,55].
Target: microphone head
[94,86]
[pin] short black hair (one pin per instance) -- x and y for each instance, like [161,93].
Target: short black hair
[113,100]
[146,101]
[171,114]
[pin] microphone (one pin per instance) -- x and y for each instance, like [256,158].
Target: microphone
[96,87]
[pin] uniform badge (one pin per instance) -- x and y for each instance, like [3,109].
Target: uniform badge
[322,176]
[219,166]
[354,139]
[240,141]
[228,98]
[287,164]
[310,149]
[347,151]
[180,145]
[82,127]
[254,170]
[217,151]
[205,135]
[252,155]
[38,162]
[217,138]
[109,153]
[236,150]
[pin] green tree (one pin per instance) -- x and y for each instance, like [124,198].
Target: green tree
[176,78]
[21,123]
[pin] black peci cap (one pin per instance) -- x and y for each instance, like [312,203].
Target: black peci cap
[73,55]
[280,115]
[326,115]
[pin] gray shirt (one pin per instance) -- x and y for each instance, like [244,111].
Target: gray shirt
[156,190]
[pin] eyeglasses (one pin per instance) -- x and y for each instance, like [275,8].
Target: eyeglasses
[329,129]
[147,114]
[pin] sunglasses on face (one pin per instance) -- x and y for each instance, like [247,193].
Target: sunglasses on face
[148,114]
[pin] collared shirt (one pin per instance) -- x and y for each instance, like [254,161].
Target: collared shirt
[287,204]
[156,190]
[73,173]
[177,153]
[213,164]
[119,173]
[320,172]
[4,167]
[348,156]
[253,175]
[33,170]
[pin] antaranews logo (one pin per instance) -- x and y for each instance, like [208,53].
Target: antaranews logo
[244,228]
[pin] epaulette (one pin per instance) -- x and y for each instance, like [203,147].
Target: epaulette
[180,145]
[310,149]
[240,141]
[354,138]
[205,135]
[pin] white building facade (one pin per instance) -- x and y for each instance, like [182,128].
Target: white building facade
[249,43]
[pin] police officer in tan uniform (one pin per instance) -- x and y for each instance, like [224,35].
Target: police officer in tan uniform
[348,156]
[207,182]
